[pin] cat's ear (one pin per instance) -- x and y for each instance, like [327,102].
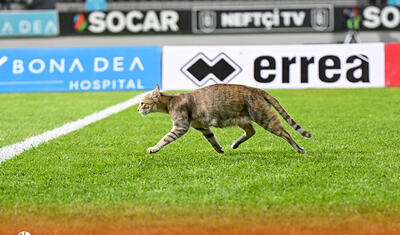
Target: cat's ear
[156,92]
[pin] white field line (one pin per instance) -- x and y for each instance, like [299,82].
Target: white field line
[10,151]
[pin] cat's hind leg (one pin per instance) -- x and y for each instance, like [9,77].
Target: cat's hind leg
[249,132]
[286,136]
[209,135]
[271,123]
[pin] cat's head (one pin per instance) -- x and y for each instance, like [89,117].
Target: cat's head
[149,103]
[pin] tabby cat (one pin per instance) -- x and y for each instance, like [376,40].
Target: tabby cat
[219,105]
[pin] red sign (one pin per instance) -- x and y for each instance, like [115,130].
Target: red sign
[392,64]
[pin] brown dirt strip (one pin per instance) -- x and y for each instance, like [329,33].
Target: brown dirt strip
[183,226]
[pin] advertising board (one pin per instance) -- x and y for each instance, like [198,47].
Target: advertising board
[285,66]
[367,18]
[232,19]
[125,22]
[29,23]
[80,69]
[315,18]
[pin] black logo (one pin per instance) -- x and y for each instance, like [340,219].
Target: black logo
[330,68]
[200,69]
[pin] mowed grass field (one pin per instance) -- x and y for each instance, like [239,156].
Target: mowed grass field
[25,115]
[351,169]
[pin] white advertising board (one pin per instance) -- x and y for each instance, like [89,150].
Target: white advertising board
[282,66]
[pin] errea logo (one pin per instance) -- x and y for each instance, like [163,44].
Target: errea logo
[200,69]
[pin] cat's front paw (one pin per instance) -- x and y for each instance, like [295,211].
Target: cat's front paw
[153,150]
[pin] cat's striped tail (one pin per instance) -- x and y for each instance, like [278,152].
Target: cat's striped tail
[274,102]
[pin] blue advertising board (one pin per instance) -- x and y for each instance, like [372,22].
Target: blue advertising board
[29,23]
[80,69]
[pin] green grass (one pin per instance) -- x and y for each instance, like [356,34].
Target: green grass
[352,167]
[25,115]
